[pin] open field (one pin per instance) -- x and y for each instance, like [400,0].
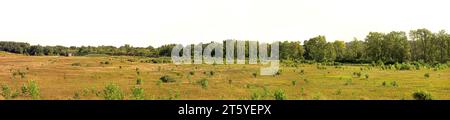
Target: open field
[86,77]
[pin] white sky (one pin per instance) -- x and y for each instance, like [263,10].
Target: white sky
[151,22]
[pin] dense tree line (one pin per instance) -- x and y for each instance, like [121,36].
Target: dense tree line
[126,50]
[396,46]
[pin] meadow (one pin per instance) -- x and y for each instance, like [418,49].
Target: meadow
[98,77]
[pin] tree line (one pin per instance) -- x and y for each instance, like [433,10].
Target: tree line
[396,46]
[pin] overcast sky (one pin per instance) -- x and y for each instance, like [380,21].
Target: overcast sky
[151,22]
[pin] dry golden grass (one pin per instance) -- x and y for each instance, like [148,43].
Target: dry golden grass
[58,78]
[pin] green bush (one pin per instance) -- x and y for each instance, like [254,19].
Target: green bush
[203,82]
[6,91]
[24,89]
[422,95]
[113,92]
[33,89]
[279,95]
[137,93]
[294,82]
[167,79]
[255,96]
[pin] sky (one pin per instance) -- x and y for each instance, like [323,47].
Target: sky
[156,22]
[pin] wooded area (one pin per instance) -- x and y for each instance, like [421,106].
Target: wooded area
[422,45]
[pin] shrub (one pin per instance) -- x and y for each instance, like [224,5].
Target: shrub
[137,93]
[76,96]
[357,74]
[302,91]
[24,89]
[427,75]
[6,91]
[348,82]
[279,95]
[255,74]
[302,72]
[76,64]
[294,82]
[255,96]
[167,79]
[113,92]
[139,81]
[306,80]
[278,73]
[33,89]
[394,84]
[203,82]
[422,95]
[191,73]
[367,76]
[384,83]
[105,62]
[15,94]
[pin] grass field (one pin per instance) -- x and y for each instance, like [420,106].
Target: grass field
[86,78]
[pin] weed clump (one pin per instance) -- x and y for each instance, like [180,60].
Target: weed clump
[279,95]
[113,92]
[137,93]
[6,91]
[203,82]
[422,95]
[167,79]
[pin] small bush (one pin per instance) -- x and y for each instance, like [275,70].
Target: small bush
[167,79]
[367,76]
[204,83]
[24,89]
[302,91]
[384,83]
[76,96]
[255,96]
[105,62]
[279,95]
[302,72]
[278,73]
[113,92]
[139,81]
[76,64]
[31,89]
[394,84]
[255,74]
[427,75]
[137,93]
[422,95]
[6,91]
[348,82]
[306,80]
[294,82]
[191,73]
[357,74]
